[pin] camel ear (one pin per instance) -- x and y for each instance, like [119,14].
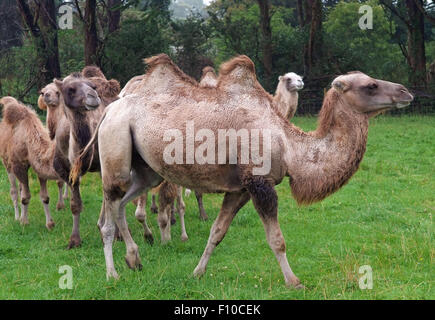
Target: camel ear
[340,85]
[59,84]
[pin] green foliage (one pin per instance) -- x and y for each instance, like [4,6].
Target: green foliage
[370,51]
[190,39]
[140,35]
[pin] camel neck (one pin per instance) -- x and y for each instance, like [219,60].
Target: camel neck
[80,128]
[322,161]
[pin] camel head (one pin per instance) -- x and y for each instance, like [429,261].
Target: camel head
[291,82]
[79,93]
[49,97]
[370,96]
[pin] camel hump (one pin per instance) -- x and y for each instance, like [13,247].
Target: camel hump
[13,111]
[163,60]
[92,71]
[207,70]
[238,67]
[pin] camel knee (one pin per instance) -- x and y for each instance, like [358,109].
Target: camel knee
[45,199]
[25,199]
[108,232]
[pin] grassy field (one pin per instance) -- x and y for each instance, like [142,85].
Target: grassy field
[381,218]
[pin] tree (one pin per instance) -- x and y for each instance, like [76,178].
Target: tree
[40,19]
[413,18]
[10,26]
[310,19]
[266,39]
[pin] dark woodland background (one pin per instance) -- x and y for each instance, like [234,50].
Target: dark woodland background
[314,38]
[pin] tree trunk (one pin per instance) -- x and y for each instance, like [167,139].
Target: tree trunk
[44,32]
[92,43]
[313,47]
[114,15]
[416,47]
[266,41]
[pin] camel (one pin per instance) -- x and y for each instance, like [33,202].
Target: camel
[25,143]
[50,100]
[80,95]
[318,163]
[286,95]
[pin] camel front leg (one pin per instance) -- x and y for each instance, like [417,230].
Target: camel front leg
[45,199]
[76,208]
[202,215]
[232,203]
[14,194]
[265,201]
[154,208]
[60,201]
[181,206]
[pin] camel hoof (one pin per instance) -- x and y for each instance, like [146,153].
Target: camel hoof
[133,262]
[154,209]
[149,238]
[112,274]
[74,242]
[203,217]
[24,222]
[50,225]
[184,238]
[60,206]
[300,286]
[198,272]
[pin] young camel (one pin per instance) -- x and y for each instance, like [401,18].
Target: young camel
[286,95]
[25,143]
[50,100]
[318,163]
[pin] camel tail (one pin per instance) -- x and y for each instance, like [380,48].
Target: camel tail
[13,111]
[78,162]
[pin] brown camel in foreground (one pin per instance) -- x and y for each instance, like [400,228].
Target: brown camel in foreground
[318,163]
[25,143]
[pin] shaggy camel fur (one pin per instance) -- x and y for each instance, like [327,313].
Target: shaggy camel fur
[318,163]
[286,95]
[80,95]
[25,143]
[51,101]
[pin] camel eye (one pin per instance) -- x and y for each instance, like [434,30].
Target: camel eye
[71,91]
[372,86]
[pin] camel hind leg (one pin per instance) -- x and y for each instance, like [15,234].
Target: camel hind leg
[21,173]
[45,199]
[181,206]
[141,216]
[202,215]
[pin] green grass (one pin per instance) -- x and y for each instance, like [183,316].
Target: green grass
[381,218]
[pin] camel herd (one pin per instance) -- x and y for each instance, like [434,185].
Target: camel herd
[93,125]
